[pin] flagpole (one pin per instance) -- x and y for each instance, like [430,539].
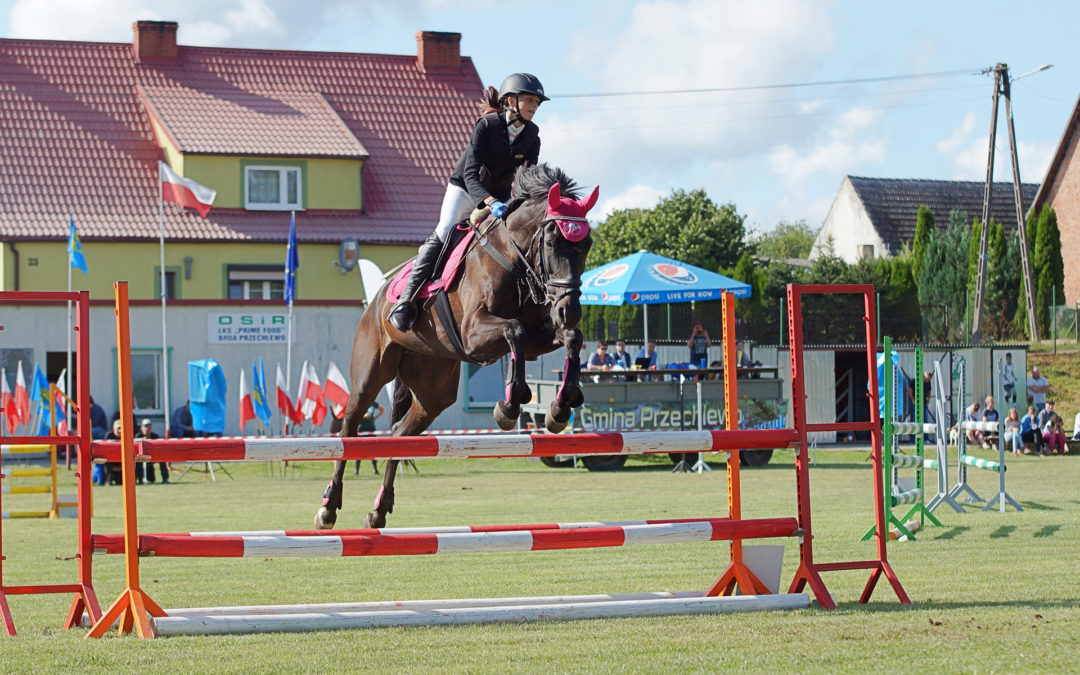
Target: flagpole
[288,337]
[164,331]
[67,376]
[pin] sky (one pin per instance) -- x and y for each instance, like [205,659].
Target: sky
[779,153]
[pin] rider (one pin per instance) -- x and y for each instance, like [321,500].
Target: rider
[504,138]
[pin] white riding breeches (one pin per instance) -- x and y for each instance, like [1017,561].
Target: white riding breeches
[456,207]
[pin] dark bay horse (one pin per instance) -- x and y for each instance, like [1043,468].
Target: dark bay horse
[519,294]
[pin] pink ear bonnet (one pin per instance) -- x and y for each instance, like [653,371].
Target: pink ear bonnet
[569,214]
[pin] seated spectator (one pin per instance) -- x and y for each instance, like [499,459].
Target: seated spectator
[600,359]
[990,415]
[1076,428]
[1054,436]
[622,360]
[114,474]
[974,435]
[146,431]
[1030,432]
[647,352]
[1046,414]
[182,426]
[1012,430]
[99,424]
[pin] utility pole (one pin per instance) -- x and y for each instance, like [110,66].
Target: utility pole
[1002,89]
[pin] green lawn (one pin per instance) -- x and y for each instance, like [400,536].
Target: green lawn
[990,591]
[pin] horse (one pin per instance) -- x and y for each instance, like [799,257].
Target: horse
[519,294]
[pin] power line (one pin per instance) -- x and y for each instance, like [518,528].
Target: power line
[788,85]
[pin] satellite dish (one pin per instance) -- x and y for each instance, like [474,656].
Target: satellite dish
[348,253]
[371,276]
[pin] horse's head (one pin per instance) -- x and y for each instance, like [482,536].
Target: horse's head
[551,226]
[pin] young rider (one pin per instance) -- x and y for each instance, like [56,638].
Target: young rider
[504,138]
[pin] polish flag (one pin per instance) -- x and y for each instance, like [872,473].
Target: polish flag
[336,390]
[7,402]
[284,403]
[247,406]
[22,397]
[184,191]
[315,396]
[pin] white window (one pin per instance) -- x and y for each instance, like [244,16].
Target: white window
[146,381]
[273,188]
[256,284]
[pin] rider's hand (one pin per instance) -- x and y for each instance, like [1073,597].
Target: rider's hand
[498,209]
[478,215]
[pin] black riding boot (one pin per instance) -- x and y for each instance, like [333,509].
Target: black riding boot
[403,314]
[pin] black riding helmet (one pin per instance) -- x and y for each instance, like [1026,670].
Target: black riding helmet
[521,83]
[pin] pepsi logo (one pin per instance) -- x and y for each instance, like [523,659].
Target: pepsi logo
[609,275]
[634,297]
[673,273]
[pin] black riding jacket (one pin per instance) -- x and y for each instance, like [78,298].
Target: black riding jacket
[487,166]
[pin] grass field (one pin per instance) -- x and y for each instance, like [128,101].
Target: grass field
[990,591]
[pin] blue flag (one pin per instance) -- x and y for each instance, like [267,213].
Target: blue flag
[75,254]
[292,262]
[258,396]
[39,390]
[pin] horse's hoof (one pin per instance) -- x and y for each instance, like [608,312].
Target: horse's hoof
[502,415]
[558,413]
[325,519]
[552,425]
[375,520]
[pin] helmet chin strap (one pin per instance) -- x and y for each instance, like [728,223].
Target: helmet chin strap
[517,111]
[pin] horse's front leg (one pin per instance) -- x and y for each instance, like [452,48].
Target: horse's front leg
[326,516]
[569,395]
[506,412]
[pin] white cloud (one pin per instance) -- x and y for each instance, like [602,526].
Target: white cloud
[634,197]
[967,157]
[842,151]
[958,137]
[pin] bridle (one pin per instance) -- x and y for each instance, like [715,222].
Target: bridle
[537,278]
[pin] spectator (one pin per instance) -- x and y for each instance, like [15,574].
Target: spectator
[114,474]
[1076,428]
[622,360]
[1054,436]
[99,423]
[181,425]
[600,359]
[974,435]
[990,415]
[367,426]
[699,344]
[1045,414]
[146,430]
[1012,430]
[927,381]
[1008,379]
[647,352]
[1030,432]
[1037,387]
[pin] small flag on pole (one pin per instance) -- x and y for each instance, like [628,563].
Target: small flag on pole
[184,191]
[315,394]
[75,252]
[258,394]
[7,402]
[284,403]
[336,390]
[22,397]
[292,262]
[247,408]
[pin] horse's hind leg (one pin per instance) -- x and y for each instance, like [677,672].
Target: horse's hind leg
[326,516]
[426,386]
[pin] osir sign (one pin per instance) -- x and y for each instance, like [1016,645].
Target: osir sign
[247,327]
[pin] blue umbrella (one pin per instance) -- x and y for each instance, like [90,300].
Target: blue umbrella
[645,278]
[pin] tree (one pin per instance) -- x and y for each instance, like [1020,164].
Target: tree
[686,226]
[943,282]
[1049,269]
[924,225]
[789,239]
[746,272]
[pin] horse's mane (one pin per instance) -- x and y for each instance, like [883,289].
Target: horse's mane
[533,182]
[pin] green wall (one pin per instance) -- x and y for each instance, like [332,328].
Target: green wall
[43,267]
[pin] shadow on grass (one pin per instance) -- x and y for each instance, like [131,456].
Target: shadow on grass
[1036,506]
[1003,532]
[891,605]
[1048,531]
[951,533]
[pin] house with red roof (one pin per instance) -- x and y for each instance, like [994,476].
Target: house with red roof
[359,145]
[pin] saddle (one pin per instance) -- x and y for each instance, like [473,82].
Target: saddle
[446,269]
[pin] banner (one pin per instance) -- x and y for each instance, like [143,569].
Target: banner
[247,327]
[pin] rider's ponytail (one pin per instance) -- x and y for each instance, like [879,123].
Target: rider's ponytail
[489,102]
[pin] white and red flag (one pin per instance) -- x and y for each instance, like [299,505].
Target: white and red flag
[247,405]
[22,397]
[336,390]
[7,402]
[314,396]
[184,191]
[284,403]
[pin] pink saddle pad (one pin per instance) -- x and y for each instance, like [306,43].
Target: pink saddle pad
[449,273]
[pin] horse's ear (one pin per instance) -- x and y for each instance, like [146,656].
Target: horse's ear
[590,201]
[554,197]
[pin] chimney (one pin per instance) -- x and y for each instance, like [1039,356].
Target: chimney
[438,50]
[155,41]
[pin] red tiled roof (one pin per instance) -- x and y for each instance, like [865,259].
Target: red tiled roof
[75,135]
